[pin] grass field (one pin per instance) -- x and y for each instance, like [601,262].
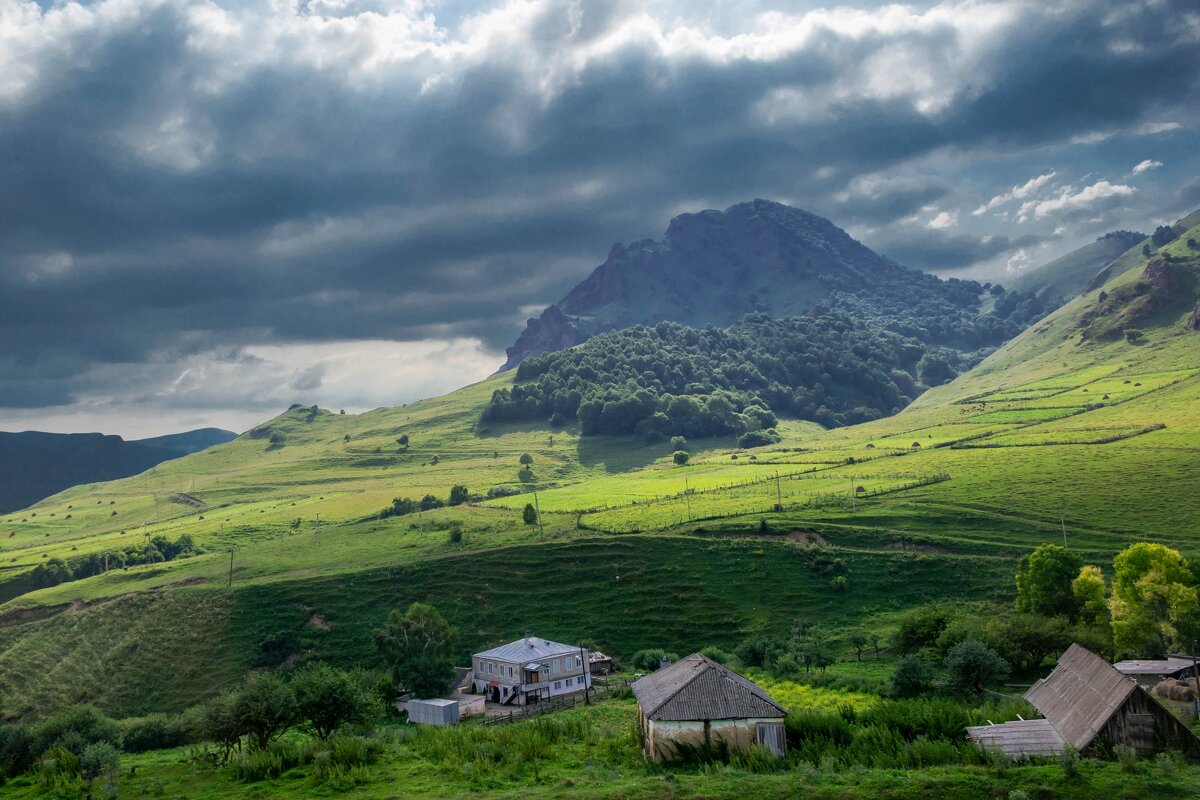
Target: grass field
[632,551]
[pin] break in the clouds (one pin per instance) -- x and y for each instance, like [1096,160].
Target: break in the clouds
[190,183]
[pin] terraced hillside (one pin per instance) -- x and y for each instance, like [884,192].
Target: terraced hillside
[1063,428]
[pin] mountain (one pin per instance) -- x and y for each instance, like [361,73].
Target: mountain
[714,267]
[1069,275]
[34,464]
[189,441]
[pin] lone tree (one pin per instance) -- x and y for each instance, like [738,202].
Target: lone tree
[858,640]
[265,707]
[679,443]
[403,440]
[526,459]
[529,514]
[328,698]
[417,646]
[458,495]
[1044,582]
[681,457]
[971,665]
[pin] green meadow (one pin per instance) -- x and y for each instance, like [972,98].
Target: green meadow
[1099,437]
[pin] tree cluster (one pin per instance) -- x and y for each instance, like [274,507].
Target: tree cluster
[673,380]
[57,570]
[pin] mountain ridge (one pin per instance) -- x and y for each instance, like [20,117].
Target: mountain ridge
[714,267]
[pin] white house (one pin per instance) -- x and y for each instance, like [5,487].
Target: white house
[530,670]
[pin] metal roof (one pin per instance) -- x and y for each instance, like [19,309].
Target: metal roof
[1165,666]
[1080,695]
[1030,737]
[698,688]
[530,648]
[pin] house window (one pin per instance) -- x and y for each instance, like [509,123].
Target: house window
[558,684]
[578,661]
[510,672]
[556,667]
[489,668]
[570,681]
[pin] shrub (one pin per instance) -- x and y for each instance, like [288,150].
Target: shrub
[17,754]
[458,495]
[278,438]
[529,515]
[912,676]
[648,660]
[920,628]
[808,726]
[153,732]
[758,438]
[681,457]
[76,728]
[717,654]
[456,534]
[1127,758]
[526,459]
[932,718]
[100,761]
[269,762]
[265,707]
[679,443]
[971,665]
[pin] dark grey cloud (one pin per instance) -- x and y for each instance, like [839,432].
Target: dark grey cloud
[192,179]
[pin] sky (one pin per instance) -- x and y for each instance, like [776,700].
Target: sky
[211,210]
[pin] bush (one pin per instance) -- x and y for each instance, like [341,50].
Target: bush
[680,457]
[456,534]
[808,726]
[679,443]
[265,707]
[932,718]
[153,732]
[649,660]
[912,676]
[758,438]
[970,665]
[75,729]
[529,515]
[277,438]
[526,459]
[458,495]
[269,762]
[17,753]
[717,654]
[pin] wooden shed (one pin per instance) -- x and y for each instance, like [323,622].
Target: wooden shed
[1087,703]
[1149,672]
[697,702]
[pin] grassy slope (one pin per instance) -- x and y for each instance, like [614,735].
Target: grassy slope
[1067,275]
[302,591]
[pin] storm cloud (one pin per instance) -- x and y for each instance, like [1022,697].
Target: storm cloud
[187,179]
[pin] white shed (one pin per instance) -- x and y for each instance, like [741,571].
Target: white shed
[438,711]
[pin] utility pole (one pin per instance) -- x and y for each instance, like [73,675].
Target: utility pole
[587,675]
[537,508]
[318,530]
[231,549]
[1062,516]
[687,495]
[778,494]
[853,497]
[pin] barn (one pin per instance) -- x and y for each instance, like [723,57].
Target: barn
[699,703]
[1086,703]
[1150,672]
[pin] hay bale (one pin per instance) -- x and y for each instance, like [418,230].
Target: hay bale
[1174,689]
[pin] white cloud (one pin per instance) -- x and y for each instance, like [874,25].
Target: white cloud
[1146,166]
[1026,189]
[1018,262]
[1071,201]
[944,220]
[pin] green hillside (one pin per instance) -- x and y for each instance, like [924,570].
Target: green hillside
[1069,275]
[1099,434]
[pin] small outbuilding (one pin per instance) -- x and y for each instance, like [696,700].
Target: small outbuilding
[1086,703]
[1150,672]
[697,702]
[438,711]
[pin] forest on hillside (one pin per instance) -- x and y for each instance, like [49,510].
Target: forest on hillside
[671,379]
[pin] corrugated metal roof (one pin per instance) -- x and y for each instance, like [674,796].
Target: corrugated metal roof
[1031,737]
[698,688]
[528,649]
[1080,695]
[1165,666]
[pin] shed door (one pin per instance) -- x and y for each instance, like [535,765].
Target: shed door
[771,736]
[1140,732]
